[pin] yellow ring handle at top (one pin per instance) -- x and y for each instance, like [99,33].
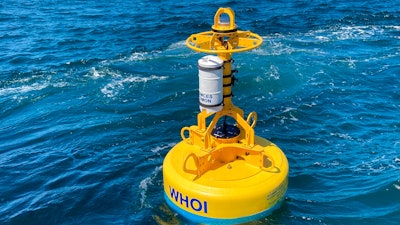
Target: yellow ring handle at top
[222,26]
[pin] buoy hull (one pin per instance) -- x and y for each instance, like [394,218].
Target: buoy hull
[220,221]
[230,191]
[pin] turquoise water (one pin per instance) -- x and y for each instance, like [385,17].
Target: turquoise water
[93,94]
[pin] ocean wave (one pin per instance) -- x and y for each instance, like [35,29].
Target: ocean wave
[144,186]
[141,56]
[177,46]
[341,33]
[279,44]
[20,89]
[114,88]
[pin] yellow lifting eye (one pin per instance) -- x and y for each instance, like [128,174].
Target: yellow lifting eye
[224,21]
[224,36]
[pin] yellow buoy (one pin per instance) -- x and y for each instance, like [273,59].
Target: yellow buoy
[223,173]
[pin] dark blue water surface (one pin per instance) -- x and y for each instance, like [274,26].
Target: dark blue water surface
[93,94]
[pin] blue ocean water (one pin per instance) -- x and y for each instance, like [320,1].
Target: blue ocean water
[93,95]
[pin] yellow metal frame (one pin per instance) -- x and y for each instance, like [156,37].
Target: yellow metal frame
[223,40]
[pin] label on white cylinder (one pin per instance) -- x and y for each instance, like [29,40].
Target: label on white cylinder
[210,83]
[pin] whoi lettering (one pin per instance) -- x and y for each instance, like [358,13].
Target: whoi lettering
[191,203]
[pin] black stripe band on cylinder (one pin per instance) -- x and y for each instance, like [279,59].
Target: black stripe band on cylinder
[204,105]
[226,96]
[208,69]
[227,85]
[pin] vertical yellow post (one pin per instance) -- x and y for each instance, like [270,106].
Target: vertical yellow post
[227,80]
[223,30]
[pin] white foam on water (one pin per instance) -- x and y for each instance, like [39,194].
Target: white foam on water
[397,186]
[376,165]
[161,148]
[177,45]
[134,57]
[357,32]
[113,88]
[101,72]
[60,84]
[393,27]
[140,56]
[144,185]
[312,104]
[95,74]
[288,109]
[23,89]
[262,97]
[293,118]
[344,136]
[273,73]
[322,38]
[273,47]
[343,33]
[277,44]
